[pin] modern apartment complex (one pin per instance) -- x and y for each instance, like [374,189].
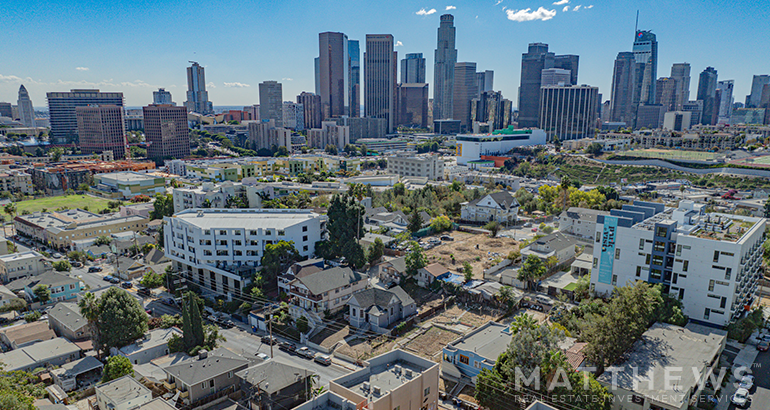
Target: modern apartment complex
[62,108]
[711,262]
[14,180]
[424,166]
[165,127]
[20,265]
[219,249]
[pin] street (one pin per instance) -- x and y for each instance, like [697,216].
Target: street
[760,394]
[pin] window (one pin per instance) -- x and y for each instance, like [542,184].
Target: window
[223,232]
[304,229]
[230,375]
[728,271]
[678,250]
[716,256]
[655,274]
[638,271]
[647,259]
[661,231]
[304,248]
[617,253]
[281,233]
[354,311]
[711,286]
[681,294]
[464,359]
[427,391]
[685,265]
[304,238]
[657,260]
[641,244]
[706,313]
[659,246]
[253,232]
[596,261]
[598,237]
[723,303]
[614,280]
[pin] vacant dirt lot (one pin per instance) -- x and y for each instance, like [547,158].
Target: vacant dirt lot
[430,343]
[480,250]
[332,334]
[362,349]
[473,318]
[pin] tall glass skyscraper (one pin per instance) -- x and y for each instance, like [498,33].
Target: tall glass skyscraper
[646,54]
[681,73]
[444,69]
[726,101]
[707,91]
[354,55]
[197,96]
[622,108]
[380,68]
[465,89]
[334,66]
[26,111]
[413,69]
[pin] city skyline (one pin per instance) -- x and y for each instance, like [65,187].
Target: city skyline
[112,65]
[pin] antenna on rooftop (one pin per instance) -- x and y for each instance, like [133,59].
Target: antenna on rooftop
[636,26]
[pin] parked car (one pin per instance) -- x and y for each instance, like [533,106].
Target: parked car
[126,285]
[107,278]
[93,269]
[447,238]
[747,382]
[288,347]
[57,255]
[76,264]
[740,398]
[270,340]
[763,346]
[528,224]
[305,352]
[325,360]
[262,356]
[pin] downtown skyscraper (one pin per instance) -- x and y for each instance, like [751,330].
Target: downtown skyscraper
[102,128]
[413,68]
[707,91]
[726,100]
[165,128]
[465,90]
[380,75]
[645,51]
[681,73]
[622,108]
[334,74]
[758,82]
[62,110]
[533,62]
[197,96]
[444,69]
[26,111]
[354,56]
[271,102]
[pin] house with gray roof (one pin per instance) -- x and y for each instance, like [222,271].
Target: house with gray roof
[54,352]
[26,334]
[392,270]
[556,244]
[79,372]
[207,377]
[379,309]
[477,350]
[275,385]
[62,287]
[124,393]
[328,289]
[499,206]
[66,321]
[153,345]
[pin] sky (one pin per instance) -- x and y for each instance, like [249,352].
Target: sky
[137,46]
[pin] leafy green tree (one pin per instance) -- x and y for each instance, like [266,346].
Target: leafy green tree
[523,321]
[345,227]
[187,332]
[415,221]
[102,240]
[89,309]
[19,389]
[594,149]
[33,316]
[376,251]
[117,366]
[153,280]
[302,324]
[441,223]
[532,270]
[56,154]
[121,319]
[767,209]
[276,258]
[62,266]
[493,228]
[163,206]
[42,293]
[467,271]
[79,256]
[332,149]
[415,259]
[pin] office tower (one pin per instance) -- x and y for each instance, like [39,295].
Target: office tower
[622,108]
[26,112]
[162,97]
[444,69]
[681,73]
[665,89]
[334,72]
[484,82]
[764,102]
[380,68]
[491,109]
[757,83]
[102,128]
[197,96]
[533,62]
[464,91]
[354,55]
[165,128]
[317,68]
[568,62]
[293,116]
[311,109]
[329,134]
[646,53]
[6,110]
[555,76]
[649,116]
[677,120]
[725,101]
[271,102]
[695,108]
[568,112]
[61,109]
[707,88]
[412,105]
[413,69]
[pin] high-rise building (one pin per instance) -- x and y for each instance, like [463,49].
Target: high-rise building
[665,89]
[271,102]
[568,112]
[764,102]
[533,62]
[412,105]
[253,111]
[26,111]
[380,74]
[162,97]
[757,83]
[485,81]
[707,88]
[413,69]
[695,108]
[166,130]
[681,73]
[334,73]
[62,106]
[622,108]
[197,96]
[265,135]
[293,116]
[311,108]
[646,53]
[555,76]
[102,128]
[444,69]
[317,71]
[725,101]
[568,62]
[491,109]
[354,54]
[329,134]
[6,109]
[464,91]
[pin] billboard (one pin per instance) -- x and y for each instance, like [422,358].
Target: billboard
[607,257]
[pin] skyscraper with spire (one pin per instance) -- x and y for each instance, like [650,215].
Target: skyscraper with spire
[444,69]
[646,55]
[26,111]
[197,96]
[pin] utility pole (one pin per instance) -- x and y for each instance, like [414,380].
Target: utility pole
[270,326]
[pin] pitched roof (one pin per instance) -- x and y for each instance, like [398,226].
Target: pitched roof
[52,279]
[29,332]
[68,314]
[503,198]
[399,264]
[402,295]
[330,279]
[374,297]
[199,370]
[273,376]
[156,256]
[436,269]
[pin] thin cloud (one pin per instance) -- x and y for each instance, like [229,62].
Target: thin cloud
[565,9]
[237,85]
[211,85]
[81,68]
[399,44]
[590,7]
[577,8]
[498,2]
[560,2]
[529,15]
[424,12]
[287,79]
[450,8]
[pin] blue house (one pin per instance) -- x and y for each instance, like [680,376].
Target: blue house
[466,356]
[62,287]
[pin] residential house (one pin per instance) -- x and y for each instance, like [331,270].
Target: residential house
[62,287]
[397,219]
[431,273]
[130,269]
[272,385]
[392,380]
[646,371]
[124,393]
[556,244]
[65,319]
[153,345]
[78,373]
[22,265]
[209,376]
[392,270]
[469,354]
[378,309]
[500,206]
[54,352]
[327,401]
[328,289]
[580,222]
[299,270]
[6,296]
[26,334]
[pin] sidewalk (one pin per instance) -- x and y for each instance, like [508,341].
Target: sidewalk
[746,357]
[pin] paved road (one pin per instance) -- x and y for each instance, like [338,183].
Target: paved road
[248,344]
[760,397]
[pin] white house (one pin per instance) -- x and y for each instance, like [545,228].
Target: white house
[500,206]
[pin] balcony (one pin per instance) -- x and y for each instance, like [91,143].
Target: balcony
[168,385]
[185,394]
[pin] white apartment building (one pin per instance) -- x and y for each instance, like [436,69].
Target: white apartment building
[210,195]
[219,249]
[13,180]
[580,222]
[425,166]
[21,265]
[711,262]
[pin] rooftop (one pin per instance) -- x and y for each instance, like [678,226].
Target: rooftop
[20,256]
[330,279]
[68,314]
[122,390]
[245,218]
[195,371]
[488,341]
[37,354]
[153,338]
[125,177]
[156,404]
[28,332]
[273,376]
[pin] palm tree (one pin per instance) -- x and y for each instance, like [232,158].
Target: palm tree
[9,209]
[89,308]
[523,321]
[565,184]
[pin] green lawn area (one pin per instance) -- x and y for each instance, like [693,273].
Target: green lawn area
[69,201]
[571,286]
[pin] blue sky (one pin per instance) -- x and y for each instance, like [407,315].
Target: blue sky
[138,46]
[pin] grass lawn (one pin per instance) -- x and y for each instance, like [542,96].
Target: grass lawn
[571,286]
[69,201]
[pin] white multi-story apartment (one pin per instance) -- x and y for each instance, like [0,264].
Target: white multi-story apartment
[711,262]
[14,180]
[21,265]
[210,195]
[409,165]
[219,249]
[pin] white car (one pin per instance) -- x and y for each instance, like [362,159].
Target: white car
[263,356]
[740,398]
[747,382]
